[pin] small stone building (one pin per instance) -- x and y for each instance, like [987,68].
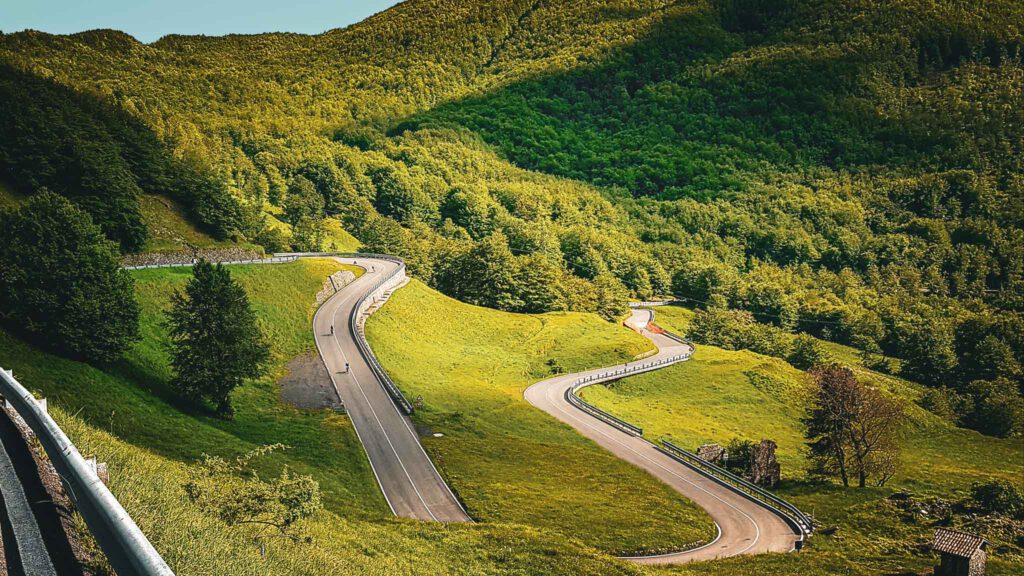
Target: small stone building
[712,453]
[764,468]
[960,553]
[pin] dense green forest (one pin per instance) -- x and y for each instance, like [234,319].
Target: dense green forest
[847,168]
[100,157]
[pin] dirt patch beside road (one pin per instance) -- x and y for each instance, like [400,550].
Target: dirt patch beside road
[307,384]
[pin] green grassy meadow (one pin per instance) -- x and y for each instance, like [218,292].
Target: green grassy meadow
[508,461]
[547,500]
[132,399]
[196,544]
[720,395]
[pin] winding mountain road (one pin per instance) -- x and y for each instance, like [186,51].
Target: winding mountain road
[744,526]
[414,489]
[410,482]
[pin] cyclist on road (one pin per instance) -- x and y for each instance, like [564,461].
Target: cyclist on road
[332,329]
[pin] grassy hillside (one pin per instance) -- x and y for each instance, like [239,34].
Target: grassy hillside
[721,395]
[132,399]
[125,415]
[508,461]
[195,544]
[170,229]
[850,168]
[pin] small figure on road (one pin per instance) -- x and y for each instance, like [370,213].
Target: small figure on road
[373,268]
[332,329]
[346,367]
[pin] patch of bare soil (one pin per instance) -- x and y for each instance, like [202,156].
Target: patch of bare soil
[307,384]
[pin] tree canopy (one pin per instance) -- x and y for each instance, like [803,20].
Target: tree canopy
[61,284]
[846,169]
[216,341]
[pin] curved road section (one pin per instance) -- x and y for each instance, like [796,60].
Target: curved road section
[744,526]
[412,485]
[410,482]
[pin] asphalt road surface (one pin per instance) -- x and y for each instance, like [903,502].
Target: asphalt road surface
[407,477]
[744,526]
[23,500]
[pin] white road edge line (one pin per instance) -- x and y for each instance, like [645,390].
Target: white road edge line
[412,431]
[377,418]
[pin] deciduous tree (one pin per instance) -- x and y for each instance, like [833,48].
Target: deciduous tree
[852,431]
[61,282]
[235,493]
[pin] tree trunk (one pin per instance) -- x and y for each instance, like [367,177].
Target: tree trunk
[841,461]
[224,409]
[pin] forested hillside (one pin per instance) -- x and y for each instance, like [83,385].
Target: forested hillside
[848,168]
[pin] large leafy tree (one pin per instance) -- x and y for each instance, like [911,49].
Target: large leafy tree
[852,431]
[216,341]
[61,283]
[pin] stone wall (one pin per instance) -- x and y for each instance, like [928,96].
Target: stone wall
[188,256]
[333,283]
[712,453]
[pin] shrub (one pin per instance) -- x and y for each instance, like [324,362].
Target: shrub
[999,497]
[807,352]
[998,408]
[737,330]
[740,456]
[945,403]
[233,492]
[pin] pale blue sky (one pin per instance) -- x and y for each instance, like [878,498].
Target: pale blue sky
[148,20]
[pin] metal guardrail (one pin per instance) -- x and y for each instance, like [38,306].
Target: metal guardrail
[361,343]
[364,346]
[793,516]
[125,546]
[651,303]
[581,383]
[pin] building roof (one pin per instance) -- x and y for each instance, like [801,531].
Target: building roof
[957,543]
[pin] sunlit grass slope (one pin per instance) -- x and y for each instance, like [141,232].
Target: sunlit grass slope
[720,395]
[169,228]
[508,461]
[195,544]
[337,239]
